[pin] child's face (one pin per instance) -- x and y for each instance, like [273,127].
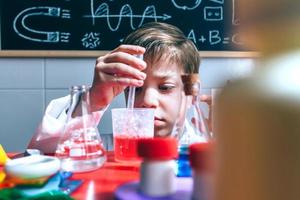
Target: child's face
[163,91]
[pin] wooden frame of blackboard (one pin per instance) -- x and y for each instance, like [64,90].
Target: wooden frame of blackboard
[87,54]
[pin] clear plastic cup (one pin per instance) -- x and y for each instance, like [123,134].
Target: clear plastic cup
[129,125]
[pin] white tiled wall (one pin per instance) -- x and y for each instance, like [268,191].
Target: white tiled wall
[27,85]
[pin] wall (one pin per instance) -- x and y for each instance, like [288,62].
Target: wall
[27,85]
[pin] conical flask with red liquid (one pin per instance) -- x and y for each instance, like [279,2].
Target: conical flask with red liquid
[80,147]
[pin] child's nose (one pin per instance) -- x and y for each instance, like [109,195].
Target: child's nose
[149,98]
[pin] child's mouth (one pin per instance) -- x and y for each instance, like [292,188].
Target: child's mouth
[158,122]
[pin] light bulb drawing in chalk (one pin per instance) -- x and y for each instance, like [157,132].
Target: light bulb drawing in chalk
[91,40]
[218,1]
[102,11]
[22,27]
[189,5]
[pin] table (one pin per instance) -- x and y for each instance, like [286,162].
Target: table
[101,183]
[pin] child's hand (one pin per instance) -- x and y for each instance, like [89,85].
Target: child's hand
[208,100]
[114,72]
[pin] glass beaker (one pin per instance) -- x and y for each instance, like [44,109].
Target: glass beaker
[80,147]
[130,125]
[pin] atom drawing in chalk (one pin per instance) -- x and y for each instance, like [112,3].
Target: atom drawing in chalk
[91,40]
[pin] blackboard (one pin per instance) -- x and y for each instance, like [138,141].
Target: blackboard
[93,25]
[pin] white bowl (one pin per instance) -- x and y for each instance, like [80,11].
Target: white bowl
[31,167]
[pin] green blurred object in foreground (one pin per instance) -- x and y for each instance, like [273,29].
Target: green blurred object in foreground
[12,193]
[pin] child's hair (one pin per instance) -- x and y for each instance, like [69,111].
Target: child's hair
[165,41]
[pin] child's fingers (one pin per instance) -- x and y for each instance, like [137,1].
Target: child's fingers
[122,70]
[121,57]
[201,125]
[125,81]
[130,49]
[206,98]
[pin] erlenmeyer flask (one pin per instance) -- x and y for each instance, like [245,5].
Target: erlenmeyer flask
[80,148]
[195,128]
[199,131]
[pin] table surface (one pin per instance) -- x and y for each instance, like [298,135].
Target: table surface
[101,183]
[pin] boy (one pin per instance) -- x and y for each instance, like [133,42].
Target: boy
[167,55]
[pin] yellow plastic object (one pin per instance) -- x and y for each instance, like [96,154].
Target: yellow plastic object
[29,182]
[2,176]
[3,156]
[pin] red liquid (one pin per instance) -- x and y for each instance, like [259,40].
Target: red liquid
[126,149]
[80,150]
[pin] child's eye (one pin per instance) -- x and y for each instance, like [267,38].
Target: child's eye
[166,87]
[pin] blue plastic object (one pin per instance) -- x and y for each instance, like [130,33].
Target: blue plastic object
[183,164]
[58,182]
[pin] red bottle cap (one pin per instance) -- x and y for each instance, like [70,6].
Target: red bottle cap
[200,156]
[157,148]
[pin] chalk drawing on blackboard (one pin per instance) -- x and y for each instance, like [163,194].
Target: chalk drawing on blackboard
[226,40]
[236,39]
[193,6]
[214,37]
[213,13]
[235,21]
[91,40]
[64,37]
[192,36]
[202,39]
[218,1]
[66,14]
[102,11]
[24,31]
